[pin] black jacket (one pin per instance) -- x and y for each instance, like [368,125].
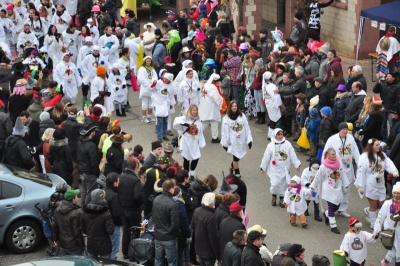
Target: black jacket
[5,126]
[17,153]
[373,128]
[354,108]
[221,213]
[98,225]
[189,205]
[150,161]
[327,128]
[32,137]
[88,157]
[339,107]
[45,124]
[17,104]
[287,96]
[113,204]
[165,217]
[324,97]
[251,256]
[204,226]
[387,92]
[71,128]
[155,173]
[394,152]
[66,227]
[232,254]
[197,189]
[130,191]
[184,224]
[299,85]
[115,159]
[60,159]
[226,229]
[394,131]
[360,78]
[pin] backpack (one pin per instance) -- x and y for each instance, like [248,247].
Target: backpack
[143,177]
[133,25]
[54,201]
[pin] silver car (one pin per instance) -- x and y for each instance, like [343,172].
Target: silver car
[20,190]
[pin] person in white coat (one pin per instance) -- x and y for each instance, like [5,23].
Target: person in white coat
[146,76]
[10,31]
[38,26]
[71,6]
[117,84]
[149,38]
[171,110]
[295,201]
[347,151]
[67,76]
[188,91]
[89,67]
[355,242]
[278,157]
[334,184]
[136,49]
[94,31]
[192,139]
[100,92]
[85,50]
[235,135]
[187,64]
[109,45]
[163,100]
[72,39]
[210,106]
[18,27]
[307,177]
[61,18]
[27,41]
[370,177]
[272,101]
[388,216]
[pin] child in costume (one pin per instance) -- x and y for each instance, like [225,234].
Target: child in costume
[295,201]
[307,177]
[354,242]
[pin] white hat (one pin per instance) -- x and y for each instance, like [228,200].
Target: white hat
[186,49]
[267,75]
[115,65]
[315,100]
[186,62]
[147,57]
[88,39]
[89,20]
[169,76]
[296,179]
[396,187]
[96,47]
[162,72]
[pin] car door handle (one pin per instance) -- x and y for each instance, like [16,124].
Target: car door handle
[9,207]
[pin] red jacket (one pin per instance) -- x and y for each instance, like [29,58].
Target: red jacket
[194,14]
[257,82]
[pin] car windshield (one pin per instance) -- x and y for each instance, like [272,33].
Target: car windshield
[42,179]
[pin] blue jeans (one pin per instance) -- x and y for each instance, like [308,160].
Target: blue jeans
[166,248]
[387,119]
[235,93]
[258,95]
[162,124]
[115,238]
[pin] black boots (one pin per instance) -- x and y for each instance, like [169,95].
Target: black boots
[260,118]
[123,112]
[118,113]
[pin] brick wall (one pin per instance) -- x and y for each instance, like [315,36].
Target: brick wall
[252,16]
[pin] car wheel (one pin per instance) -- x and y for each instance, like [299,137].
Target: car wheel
[23,236]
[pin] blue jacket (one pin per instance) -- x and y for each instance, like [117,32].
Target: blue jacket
[301,115]
[183,223]
[313,129]
[339,107]
[159,53]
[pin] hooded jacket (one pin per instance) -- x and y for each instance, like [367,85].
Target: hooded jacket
[355,106]
[45,124]
[197,190]
[88,157]
[66,227]
[71,128]
[16,153]
[130,191]
[114,204]
[61,160]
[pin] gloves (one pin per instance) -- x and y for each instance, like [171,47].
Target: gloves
[250,144]
[360,132]
[109,45]
[22,46]
[188,240]
[345,190]
[307,185]
[185,125]
[361,190]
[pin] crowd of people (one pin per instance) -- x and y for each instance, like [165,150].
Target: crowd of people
[198,64]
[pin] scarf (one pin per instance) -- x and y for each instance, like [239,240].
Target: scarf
[148,68]
[234,116]
[333,165]
[125,58]
[298,188]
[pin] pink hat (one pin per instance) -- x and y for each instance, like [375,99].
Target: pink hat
[10,7]
[96,9]
[244,46]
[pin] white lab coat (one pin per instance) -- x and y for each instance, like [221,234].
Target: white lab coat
[111,54]
[355,244]
[145,79]
[307,177]
[71,6]
[134,48]
[236,135]
[163,98]
[272,101]
[83,52]
[118,81]
[99,85]
[210,103]
[89,67]
[61,22]
[72,41]
[188,94]
[38,27]
[190,145]
[69,82]
[28,40]
[296,201]
[94,32]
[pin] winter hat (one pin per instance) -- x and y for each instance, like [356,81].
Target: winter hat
[10,7]
[169,76]
[71,193]
[258,228]
[34,52]
[44,116]
[101,71]
[253,236]
[308,52]
[396,187]
[88,39]
[203,8]
[59,134]
[314,113]
[315,100]
[244,46]
[19,128]
[72,111]
[157,32]
[267,75]
[318,79]
[128,33]
[97,111]
[296,179]
[313,161]
[96,47]
[298,15]
[326,110]
[177,191]
[259,62]
[253,43]
[155,145]
[275,55]
[341,88]
[98,197]
[343,125]
[235,207]
[285,246]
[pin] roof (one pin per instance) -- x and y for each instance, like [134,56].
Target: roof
[388,13]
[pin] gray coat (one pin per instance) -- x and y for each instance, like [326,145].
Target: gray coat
[159,53]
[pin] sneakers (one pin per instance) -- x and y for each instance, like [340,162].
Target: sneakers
[151,119]
[304,225]
[335,230]
[217,140]
[145,120]
[169,133]
[384,263]
[317,218]
[366,210]
[344,213]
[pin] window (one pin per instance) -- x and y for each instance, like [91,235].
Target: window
[9,190]
[340,4]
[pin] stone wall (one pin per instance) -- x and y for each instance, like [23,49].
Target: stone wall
[252,18]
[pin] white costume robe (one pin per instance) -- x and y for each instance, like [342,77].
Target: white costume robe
[236,135]
[89,67]
[71,6]
[70,82]
[276,162]
[18,24]
[209,108]
[56,51]
[117,81]
[149,39]
[163,98]
[38,27]
[72,40]
[370,176]
[10,29]
[190,145]
[83,52]
[307,177]
[296,201]
[385,221]
[125,66]
[28,40]
[98,85]
[61,22]
[355,244]
[182,75]
[188,93]
[133,45]
[145,79]
[94,32]
[111,54]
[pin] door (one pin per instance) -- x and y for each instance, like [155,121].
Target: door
[11,199]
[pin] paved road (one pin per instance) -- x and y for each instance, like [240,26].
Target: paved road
[317,238]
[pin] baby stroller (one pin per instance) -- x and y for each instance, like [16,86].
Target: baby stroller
[47,218]
[142,249]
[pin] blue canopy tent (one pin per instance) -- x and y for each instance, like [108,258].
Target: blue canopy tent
[388,13]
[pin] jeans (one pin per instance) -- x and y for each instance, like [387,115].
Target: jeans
[235,93]
[166,248]
[129,219]
[88,185]
[162,123]
[258,95]
[115,238]
[387,119]
[207,262]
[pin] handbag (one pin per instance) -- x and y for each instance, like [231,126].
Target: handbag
[135,86]
[142,249]
[358,136]
[303,141]
[387,237]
